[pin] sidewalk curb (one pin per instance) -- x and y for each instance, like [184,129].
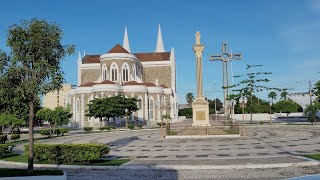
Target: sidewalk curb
[176,167]
[202,136]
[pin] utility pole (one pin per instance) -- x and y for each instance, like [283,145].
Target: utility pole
[310,94]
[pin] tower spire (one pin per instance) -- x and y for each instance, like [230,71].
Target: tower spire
[159,46]
[126,40]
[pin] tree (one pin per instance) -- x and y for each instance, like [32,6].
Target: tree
[219,104]
[284,106]
[283,95]
[272,95]
[312,109]
[111,107]
[10,120]
[36,55]
[56,117]
[251,84]
[12,101]
[189,98]
[316,90]
[99,108]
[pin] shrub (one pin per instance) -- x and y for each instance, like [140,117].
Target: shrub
[62,131]
[172,133]
[68,152]
[108,128]
[131,126]
[3,139]
[88,129]
[15,136]
[261,122]
[82,152]
[54,131]
[163,124]
[42,152]
[139,126]
[3,149]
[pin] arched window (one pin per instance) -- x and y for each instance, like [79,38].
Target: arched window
[151,106]
[114,72]
[134,72]
[125,72]
[104,72]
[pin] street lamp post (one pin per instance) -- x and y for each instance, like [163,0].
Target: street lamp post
[232,103]
[158,105]
[270,105]
[126,110]
[243,102]
[164,104]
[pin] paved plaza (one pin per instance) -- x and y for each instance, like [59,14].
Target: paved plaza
[206,158]
[259,141]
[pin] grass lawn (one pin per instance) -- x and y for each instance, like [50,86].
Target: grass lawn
[23,158]
[5,172]
[313,156]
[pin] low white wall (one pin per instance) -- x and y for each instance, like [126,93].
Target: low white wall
[262,116]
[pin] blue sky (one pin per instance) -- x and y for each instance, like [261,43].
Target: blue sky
[283,35]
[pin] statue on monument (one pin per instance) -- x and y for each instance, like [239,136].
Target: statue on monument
[198,36]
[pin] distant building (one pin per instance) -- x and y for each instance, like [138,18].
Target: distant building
[184,106]
[148,76]
[57,98]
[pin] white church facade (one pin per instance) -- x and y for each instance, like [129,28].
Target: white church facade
[148,76]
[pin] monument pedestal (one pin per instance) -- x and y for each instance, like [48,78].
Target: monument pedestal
[200,109]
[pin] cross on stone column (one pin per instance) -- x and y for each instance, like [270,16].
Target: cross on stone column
[225,57]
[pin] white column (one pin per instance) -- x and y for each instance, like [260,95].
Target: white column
[146,110]
[158,108]
[74,108]
[82,109]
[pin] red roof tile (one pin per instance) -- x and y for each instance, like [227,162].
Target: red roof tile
[156,56]
[136,83]
[131,83]
[87,59]
[164,86]
[106,82]
[149,84]
[118,49]
[87,84]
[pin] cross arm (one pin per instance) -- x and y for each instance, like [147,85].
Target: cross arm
[216,58]
[236,56]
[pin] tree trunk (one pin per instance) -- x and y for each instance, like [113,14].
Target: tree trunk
[100,121]
[31,142]
[287,118]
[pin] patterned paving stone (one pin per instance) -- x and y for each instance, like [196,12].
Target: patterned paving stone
[202,155]
[223,155]
[142,156]
[160,156]
[181,156]
[243,154]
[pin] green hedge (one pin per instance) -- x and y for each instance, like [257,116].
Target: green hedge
[139,126]
[186,112]
[54,131]
[131,126]
[15,136]
[88,129]
[3,149]
[69,152]
[83,152]
[3,139]
[108,128]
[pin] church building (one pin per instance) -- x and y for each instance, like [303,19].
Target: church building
[148,76]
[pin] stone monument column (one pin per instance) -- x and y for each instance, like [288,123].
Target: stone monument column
[200,106]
